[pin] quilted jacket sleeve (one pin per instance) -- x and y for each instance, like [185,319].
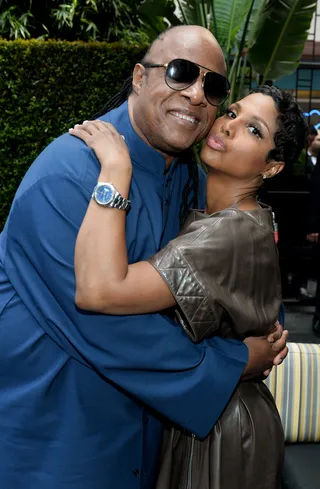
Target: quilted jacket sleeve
[224,274]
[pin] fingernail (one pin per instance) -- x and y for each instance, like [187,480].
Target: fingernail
[85,122]
[76,125]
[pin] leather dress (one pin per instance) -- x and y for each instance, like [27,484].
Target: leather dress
[223,271]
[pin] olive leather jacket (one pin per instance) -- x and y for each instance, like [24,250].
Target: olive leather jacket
[223,271]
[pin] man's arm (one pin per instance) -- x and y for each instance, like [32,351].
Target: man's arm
[147,356]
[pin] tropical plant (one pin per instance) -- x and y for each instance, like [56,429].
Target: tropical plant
[110,20]
[270,34]
[15,24]
[278,54]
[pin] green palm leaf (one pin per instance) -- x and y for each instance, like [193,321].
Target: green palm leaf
[153,14]
[193,12]
[279,37]
[223,17]
[230,16]
[254,18]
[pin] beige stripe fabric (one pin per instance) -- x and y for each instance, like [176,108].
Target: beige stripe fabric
[295,385]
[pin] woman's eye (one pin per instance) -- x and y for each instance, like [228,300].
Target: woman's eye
[255,131]
[231,114]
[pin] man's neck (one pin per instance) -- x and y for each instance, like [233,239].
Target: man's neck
[311,152]
[168,159]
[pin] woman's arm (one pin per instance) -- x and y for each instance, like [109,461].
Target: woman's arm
[104,281]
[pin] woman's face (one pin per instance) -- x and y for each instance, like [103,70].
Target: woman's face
[239,141]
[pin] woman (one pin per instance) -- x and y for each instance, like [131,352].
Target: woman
[221,273]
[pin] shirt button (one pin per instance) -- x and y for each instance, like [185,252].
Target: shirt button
[166,202]
[136,473]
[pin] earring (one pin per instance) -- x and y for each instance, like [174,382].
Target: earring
[264,177]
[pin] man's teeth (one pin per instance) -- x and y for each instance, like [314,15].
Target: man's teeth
[185,117]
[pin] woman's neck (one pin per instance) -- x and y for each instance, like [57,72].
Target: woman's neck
[224,191]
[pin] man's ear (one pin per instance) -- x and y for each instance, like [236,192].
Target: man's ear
[273,168]
[137,77]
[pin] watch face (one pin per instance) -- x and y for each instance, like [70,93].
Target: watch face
[104,194]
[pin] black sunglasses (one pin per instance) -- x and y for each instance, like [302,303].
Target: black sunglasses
[182,73]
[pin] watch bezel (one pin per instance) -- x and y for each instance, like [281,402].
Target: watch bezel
[104,184]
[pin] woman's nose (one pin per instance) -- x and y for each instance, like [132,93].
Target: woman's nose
[228,128]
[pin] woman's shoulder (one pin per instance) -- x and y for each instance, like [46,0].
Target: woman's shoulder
[231,217]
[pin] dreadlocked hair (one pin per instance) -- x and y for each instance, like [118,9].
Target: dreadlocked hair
[118,98]
[190,191]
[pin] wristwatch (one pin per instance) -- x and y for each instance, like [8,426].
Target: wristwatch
[104,193]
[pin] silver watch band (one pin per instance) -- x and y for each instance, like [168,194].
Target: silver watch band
[118,202]
[121,203]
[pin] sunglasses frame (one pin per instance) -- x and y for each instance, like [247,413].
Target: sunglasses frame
[201,72]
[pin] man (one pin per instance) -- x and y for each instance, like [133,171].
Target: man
[83,395]
[307,161]
[313,223]
[312,152]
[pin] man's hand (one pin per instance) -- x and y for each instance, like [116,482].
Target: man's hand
[265,352]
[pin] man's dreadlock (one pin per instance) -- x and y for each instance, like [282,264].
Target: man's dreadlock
[118,98]
[191,188]
[190,191]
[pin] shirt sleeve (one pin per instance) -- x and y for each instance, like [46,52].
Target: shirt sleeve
[202,188]
[148,356]
[223,272]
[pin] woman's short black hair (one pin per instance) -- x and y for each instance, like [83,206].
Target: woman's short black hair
[292,133]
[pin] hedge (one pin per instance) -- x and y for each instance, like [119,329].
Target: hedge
[45,88]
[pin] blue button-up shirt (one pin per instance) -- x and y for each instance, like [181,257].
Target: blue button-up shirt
[82,394]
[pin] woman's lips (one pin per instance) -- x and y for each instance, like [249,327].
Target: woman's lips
[216,142]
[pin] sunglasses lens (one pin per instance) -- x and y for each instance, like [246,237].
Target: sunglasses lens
[216,88]
[181,73]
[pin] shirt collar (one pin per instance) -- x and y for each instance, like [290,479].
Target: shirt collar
[141,153]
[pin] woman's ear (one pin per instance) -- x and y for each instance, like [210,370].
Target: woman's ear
[137,76]
[273,168]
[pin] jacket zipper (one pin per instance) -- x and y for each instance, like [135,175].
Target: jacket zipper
[189,477]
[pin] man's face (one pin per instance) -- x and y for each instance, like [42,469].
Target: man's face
[172,121]
[315,145]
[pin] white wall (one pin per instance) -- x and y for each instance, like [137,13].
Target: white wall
[317,26]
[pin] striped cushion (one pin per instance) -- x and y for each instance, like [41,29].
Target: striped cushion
[295,386]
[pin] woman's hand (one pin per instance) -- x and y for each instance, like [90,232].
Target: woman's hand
[108,145]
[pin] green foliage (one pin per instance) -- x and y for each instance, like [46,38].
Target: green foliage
[47,87]
[157,15]
[103,20]
[230,16]
[280,34]
[223,18]
[15,24]
[270,34]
